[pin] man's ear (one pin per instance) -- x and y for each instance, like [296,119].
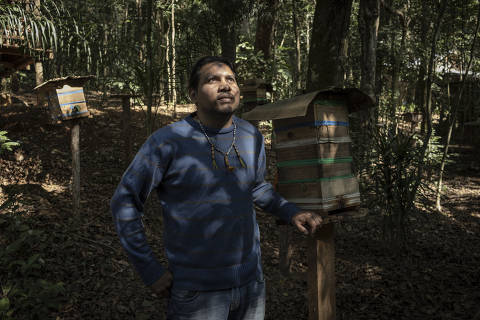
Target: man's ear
[193,95]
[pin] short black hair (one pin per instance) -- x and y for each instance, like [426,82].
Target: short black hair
[195,74]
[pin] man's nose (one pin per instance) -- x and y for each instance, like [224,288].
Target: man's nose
[224,85]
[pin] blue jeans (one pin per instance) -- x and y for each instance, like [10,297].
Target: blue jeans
[243,303]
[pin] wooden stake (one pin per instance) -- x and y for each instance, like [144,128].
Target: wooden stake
[75,147]
[321,274]
[286,250]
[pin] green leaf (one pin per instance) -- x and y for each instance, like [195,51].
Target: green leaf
[4,305]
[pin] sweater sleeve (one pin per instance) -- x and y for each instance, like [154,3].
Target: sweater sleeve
[142,176]
[265,196]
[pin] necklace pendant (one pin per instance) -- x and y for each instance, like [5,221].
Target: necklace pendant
[227,163]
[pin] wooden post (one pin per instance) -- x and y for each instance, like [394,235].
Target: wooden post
[126,119]
[286,250]
[321,274]
[75,147]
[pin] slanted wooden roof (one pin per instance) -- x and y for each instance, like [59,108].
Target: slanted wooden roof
[355,99]
[76,81]
[12,59]
[14,51]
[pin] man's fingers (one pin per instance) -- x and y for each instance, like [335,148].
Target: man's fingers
[318,221]
[301,227]
[315,221]
[313,224]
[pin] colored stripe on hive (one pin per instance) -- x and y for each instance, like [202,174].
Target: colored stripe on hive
[310,162]
[329,102]
[74,102]
[69,92]
[314,124]
[316,179]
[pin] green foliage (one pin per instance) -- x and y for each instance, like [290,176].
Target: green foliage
[6,143]
[21,25]
[250,64]
[391,178]
[24,292]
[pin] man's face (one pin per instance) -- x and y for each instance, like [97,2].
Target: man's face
[217,92]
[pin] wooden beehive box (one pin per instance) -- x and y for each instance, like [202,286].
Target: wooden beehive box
[312,143]
[65,96]
[254,92]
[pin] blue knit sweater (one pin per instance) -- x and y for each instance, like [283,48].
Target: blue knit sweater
[211,235]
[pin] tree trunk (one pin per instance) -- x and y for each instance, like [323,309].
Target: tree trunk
[327,49]
[430,70]
[173,78]
[38,64]
[421,89]
[265,26]
[228,40]
[397,57]
[161,57]
[369,19]
[297,75]
[169,65]
[149,67]
[428,107]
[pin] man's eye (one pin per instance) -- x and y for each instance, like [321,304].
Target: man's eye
[211,80]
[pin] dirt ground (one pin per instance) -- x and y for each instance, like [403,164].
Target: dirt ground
[435,277]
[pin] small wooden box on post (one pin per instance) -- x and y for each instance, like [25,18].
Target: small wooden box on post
[65,96]
[254,93]
[314,162]
[66,101]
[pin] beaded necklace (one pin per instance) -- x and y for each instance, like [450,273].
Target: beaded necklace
[213,147]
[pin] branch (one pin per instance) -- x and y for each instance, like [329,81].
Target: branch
[392,10]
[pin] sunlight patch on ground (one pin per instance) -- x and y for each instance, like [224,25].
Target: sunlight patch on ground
[96,112]
[54,188]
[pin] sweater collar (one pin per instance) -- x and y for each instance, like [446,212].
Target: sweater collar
[196,125]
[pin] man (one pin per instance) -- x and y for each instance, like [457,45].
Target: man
[208,170]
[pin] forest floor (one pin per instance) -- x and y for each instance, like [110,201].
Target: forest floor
[61,266]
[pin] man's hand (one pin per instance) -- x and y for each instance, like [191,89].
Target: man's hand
[162,286]
[307,222]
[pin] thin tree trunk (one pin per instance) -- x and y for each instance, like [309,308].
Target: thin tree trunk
[169,65]
[397,57]
[453,116]
[149,91]
[428,108]
[265,27]
[430,71]
[172,81]
[307,34]
[395,79]
[298,53]
[160,36]
[139,30]
[422,74]
[38,64]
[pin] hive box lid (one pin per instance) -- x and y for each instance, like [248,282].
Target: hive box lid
[73,81]
[355,99]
